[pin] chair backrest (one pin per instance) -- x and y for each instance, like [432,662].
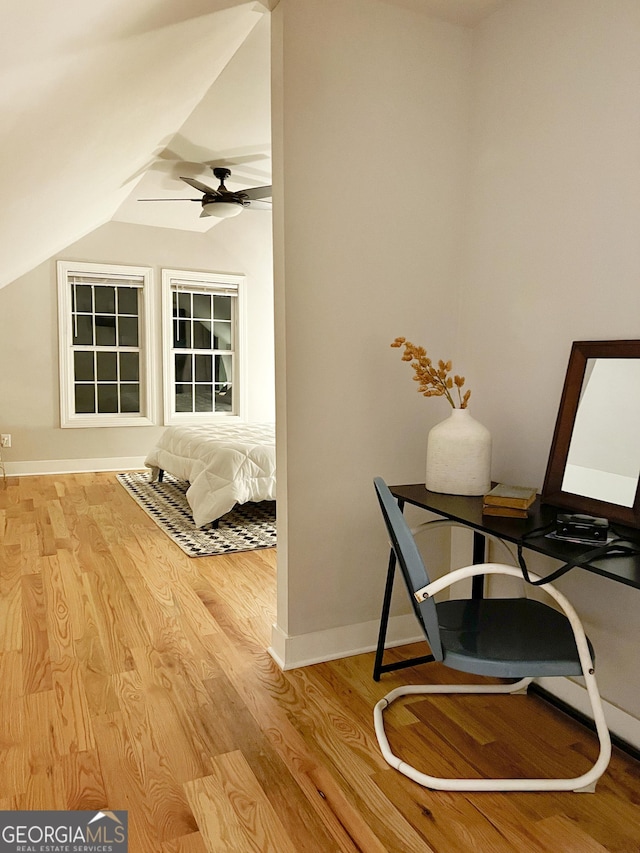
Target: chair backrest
[411,564]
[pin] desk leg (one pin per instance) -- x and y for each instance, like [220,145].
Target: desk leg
[378,666]
[384,616]
[477,583]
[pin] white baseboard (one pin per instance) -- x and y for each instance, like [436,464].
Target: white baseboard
[73,466]
[620,722]
[320,646]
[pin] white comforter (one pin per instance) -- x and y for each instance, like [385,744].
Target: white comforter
[225,464]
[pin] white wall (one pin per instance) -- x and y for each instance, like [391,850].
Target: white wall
[553,250]
[370,132]
[477,191]
[29,407]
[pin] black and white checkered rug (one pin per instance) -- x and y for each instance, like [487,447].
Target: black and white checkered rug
[246,528]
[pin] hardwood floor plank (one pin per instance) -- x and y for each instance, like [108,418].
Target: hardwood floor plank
[119,609]
[10,607]
[44,789]
[311,697]
[117,651]
[165,580]
[73,709]
[59,626]
[15,771]
[566,836]
[233,811]
[44,530]
[193,843]
[84,788]
[43,742]
[124,782]
[134,677]
[58,521]
[178,737]
[611,820]
[36,660]
[236,729]
[445,715]
[11,698]
[349,747]
[516,818]
[446,822]
[12,528]
[321,787]
[13,755]
[351,679]
[73,581]
[172,816]
[97,672]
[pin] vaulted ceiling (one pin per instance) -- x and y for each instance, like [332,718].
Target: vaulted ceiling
[93,95]
[108,101]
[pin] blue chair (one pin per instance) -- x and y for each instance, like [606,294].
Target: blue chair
[510,638]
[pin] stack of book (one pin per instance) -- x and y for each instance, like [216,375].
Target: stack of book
[510,501]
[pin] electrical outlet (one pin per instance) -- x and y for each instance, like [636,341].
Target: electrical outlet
[5,440]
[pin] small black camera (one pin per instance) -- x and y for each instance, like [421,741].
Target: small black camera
[586,527]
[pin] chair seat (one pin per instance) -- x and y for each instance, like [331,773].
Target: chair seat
[507,638]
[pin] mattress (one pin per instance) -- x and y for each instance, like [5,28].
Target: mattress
[224,463]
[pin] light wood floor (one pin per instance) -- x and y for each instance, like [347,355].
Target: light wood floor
[133,677]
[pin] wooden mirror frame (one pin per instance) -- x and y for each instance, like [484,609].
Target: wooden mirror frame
[552,493]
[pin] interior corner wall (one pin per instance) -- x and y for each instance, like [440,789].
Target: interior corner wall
[553,254]
[370,134]
[29,381]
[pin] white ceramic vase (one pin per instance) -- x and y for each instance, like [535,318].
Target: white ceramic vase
[459,456]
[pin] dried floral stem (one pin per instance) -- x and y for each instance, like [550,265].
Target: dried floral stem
[433,381]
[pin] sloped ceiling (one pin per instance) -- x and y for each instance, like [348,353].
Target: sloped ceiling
[88,101]
[230,127]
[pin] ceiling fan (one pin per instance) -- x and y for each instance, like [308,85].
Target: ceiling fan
[221,202]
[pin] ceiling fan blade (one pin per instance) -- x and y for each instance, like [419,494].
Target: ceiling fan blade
[260,205]
[257,192]
[169,199]
[197,185]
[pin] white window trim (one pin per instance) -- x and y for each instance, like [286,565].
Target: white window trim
[209,281]
[68,417]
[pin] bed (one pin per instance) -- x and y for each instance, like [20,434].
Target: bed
[225,464]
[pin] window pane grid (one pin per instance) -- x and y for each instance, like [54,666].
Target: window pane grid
[203,350]
[203,383]
[105,346]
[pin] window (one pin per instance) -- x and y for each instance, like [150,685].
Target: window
[105,345]
[202,315]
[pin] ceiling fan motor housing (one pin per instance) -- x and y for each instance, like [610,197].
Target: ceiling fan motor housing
[221,173]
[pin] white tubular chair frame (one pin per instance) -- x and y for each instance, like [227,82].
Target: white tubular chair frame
[584,783]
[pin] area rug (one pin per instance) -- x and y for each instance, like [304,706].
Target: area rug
[246,528]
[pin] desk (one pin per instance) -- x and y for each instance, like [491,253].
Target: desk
[468,511]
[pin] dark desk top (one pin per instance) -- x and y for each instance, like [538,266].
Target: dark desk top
[468,511]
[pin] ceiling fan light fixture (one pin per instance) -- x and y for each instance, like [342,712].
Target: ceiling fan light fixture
[222,209]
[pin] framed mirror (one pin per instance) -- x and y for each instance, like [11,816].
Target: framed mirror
[594,463]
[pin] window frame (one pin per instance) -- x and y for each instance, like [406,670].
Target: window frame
[146,346]
[227,284]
